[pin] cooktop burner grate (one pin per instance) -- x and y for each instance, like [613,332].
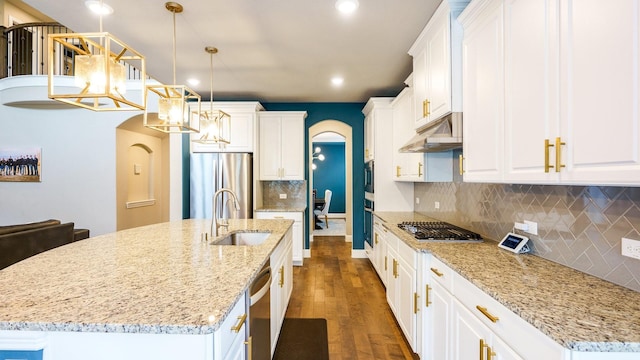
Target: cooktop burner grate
[438,231]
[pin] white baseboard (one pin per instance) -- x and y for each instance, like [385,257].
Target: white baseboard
[337,215]
[348,238]
[359,254]
[307,253]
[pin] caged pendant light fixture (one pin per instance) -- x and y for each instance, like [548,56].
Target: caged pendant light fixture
[215,125]
[174,114]
[97,64]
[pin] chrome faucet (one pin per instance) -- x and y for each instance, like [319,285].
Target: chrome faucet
[215,224]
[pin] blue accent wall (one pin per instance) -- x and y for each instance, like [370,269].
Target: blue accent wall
[330,174]
[350,114]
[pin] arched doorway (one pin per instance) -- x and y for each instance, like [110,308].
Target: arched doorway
[345,131]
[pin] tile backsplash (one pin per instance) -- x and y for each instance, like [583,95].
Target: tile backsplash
[295,191]
[578,226]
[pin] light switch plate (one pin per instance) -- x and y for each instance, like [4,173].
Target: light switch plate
[283,196]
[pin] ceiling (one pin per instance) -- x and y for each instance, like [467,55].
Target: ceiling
[269,50]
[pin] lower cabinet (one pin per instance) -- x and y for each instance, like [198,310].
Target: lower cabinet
[281,285]
[229,339]
[298,230]
[402,295]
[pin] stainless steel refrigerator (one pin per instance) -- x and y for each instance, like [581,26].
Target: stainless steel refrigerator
[213,171]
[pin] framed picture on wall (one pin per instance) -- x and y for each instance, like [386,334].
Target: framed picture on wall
[20,164]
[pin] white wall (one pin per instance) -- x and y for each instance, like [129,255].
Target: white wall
[78,162]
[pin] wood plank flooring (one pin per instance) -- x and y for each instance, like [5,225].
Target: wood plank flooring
[348,293]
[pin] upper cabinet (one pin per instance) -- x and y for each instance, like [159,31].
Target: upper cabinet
[535,72]
[437,65]
[282,152]
[243,119]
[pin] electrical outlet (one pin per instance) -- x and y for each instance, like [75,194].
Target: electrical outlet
[436,205]
[532,227]
[631,248]
[417,201]
[283,196]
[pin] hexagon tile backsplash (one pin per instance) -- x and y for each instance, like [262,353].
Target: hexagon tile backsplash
[578,226]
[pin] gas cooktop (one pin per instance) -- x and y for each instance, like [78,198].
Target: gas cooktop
[438,231]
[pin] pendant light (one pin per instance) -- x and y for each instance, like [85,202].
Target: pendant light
[174,114]
[215,125]
[96,64]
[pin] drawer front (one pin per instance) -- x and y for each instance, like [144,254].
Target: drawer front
[407,254]
[233,326]
[441,273]
[526,340]
[392,240]
[292,215]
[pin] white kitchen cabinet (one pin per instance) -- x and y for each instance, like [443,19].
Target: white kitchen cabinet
[473,340]
[379,249]
[281,285]
[298,230]
[282,150]
[242,135]
[369,140]
[389,195]
[544,52]
[437,66]
[402,294]
[483,144]
[436,318]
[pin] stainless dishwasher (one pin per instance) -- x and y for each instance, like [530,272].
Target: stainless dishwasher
[260,315]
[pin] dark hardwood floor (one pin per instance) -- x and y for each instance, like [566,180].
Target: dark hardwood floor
[348,293]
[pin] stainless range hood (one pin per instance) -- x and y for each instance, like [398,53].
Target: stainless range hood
[439,135]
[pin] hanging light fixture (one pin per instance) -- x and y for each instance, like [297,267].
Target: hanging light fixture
[97,62]
[174,114]
[215,125]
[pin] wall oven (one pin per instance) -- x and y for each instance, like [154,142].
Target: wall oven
[368,218]
[368,177]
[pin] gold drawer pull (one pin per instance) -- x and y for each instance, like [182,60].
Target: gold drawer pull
[482,346]
[398,171]
[415,302]
[419,169]
[249,344]
[486,313]
[435,271]
[238,325]
[428,302]
[547,145]
[460,164]
[559,164]
[278,217]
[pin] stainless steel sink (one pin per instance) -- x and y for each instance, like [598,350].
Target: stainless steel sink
[242,238]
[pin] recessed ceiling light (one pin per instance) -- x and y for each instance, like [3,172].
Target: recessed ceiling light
[98,7]
[337,81]
[347,6]
[193,82]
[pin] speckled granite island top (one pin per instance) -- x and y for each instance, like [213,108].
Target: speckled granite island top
[154,279]
[577,310]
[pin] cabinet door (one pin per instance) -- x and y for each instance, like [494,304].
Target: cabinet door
[483,96]
[406,301]
[270,149]
[531,94]
[439,67]
[599,92]
[292,145]
[467,333]
[393,285]
[440,309]
[298,240]
[237,351]
[420,82]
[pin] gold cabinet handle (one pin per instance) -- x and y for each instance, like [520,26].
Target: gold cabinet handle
[240,323]
[395,268]
[435,271]
[425,108]
[559,164]
[486,313]
[490,353]
[385,263]
[376,238]
[482,346]
[398,171]
[547,145]
[281,271]
[428,302]
[460,164]
[249,344]
[415,302]
[419,169]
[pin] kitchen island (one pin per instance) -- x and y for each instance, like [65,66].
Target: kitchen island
[584,314]
[159,283]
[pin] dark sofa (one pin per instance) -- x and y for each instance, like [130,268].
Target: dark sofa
[18,242]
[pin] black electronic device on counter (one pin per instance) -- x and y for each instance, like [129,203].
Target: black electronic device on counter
[515,243]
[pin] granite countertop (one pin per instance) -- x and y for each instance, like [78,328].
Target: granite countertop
[577,310]
[160,278]
[284,208]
